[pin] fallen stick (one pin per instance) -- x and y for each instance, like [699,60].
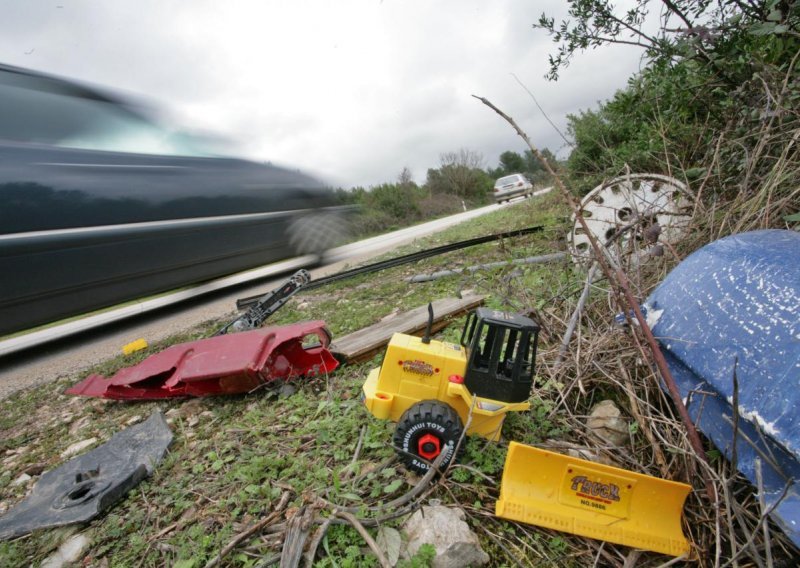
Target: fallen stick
[251,530]
[489,266]
[296,536]
[348,471]
[576,316]
[350,518]
[763,505]
[643,420]
[319,534]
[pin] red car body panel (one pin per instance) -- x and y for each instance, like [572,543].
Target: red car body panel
[226,364]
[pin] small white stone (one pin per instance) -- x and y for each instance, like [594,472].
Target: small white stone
[68,553]
[607,423]
[77,447]
[444,528]
[24,478]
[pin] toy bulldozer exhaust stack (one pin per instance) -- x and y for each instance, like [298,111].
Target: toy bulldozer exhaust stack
[434,390]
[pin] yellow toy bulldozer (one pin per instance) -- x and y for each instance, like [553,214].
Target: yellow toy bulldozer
[430,387]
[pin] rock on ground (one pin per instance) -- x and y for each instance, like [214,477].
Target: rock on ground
[77,447]
[606,422]
[444,528]
[69,552]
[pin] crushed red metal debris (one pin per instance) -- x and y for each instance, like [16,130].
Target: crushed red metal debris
[225,364]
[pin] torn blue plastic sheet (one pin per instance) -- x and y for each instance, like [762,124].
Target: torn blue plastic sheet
[735,304]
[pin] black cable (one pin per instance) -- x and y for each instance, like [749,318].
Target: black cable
[244,303]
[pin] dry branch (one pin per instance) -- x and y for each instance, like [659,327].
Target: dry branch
[619,279]
[250,531]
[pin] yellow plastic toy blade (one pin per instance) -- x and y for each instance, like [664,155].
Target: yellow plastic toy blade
[594,500]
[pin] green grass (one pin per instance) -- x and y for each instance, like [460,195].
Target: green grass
[233,457]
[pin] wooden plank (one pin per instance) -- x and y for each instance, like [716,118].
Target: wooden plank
[364,343]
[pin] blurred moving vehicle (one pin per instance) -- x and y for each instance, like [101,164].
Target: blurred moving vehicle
[99,204]
[512,186]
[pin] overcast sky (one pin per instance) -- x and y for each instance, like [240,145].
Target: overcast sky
[350,90]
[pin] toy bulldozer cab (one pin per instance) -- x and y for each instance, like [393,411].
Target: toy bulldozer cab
[501,349]
[432,388]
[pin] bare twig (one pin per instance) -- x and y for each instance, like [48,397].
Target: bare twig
[350,518]
[576,316]
[615,273]
[350,467]
[764,516]
[735,409]
[317,539]
[544,114]
[762,504]
[250,531]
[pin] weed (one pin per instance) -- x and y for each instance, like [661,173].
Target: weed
[423,558]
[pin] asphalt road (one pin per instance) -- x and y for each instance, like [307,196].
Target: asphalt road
[64,355]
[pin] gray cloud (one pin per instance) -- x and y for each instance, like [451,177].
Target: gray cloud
[353,91]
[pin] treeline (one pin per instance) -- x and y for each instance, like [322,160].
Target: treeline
[459,183]
[717,102]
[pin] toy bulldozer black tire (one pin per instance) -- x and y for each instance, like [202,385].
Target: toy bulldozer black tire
[424,431]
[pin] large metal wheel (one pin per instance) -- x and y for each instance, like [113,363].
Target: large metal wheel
[620,212]
[426,430]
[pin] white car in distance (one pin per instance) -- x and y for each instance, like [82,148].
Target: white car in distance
[512,186]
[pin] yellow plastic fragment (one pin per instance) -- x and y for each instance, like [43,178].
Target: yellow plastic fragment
[594,500]
[134,346]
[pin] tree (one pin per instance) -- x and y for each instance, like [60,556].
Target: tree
[406,178]
[460,174]
[398,201]
[711,74]
[532,164]
[708,32]
[511,162]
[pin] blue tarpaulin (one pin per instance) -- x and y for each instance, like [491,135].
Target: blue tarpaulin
[735,304]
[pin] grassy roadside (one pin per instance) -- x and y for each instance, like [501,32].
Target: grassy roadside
[234,457]
[277,455]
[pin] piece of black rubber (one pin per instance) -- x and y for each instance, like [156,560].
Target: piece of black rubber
[83,487]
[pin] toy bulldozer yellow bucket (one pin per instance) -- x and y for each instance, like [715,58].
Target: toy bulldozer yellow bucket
[594,500]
